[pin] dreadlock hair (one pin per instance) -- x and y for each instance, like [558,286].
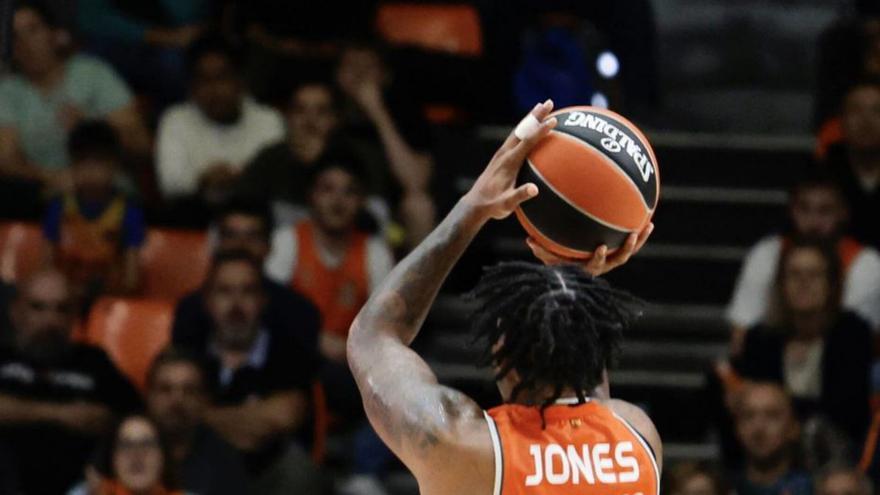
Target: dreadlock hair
[557,326]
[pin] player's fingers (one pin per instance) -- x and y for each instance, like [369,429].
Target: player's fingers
[528,127]
[643,237]
[512,138]
[624,252]
[522,193]
[531,137]
[596,265]
[542,254]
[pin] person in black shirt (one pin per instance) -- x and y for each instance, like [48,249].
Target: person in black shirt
[857,162]
[819,353]
[246,225]
[177,398]
[56,396]
[260,377]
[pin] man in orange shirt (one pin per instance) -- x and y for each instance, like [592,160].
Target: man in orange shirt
[334,264]
[549,332]
[327,258]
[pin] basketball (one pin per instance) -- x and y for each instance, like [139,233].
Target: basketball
[598,182]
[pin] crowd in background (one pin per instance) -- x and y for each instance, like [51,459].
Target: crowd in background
[301,143]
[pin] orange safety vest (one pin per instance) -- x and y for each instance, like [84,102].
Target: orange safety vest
[581,449]
[90,248]
[340,292]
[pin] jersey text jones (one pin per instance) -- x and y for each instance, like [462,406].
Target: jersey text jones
[590,464]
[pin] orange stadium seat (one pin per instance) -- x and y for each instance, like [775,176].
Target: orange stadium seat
[173,262]
[448,28]
[132,332]
[21,250]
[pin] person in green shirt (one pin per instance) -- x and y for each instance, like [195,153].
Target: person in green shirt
[48,95]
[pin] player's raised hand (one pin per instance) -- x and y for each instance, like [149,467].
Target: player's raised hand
[494,193]
[602,261]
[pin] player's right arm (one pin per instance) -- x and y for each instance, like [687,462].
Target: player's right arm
[426,424]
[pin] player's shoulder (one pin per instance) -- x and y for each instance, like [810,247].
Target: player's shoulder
[636,418]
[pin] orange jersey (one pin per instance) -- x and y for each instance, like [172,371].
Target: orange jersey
[90,248]
[338,292]
[584,449]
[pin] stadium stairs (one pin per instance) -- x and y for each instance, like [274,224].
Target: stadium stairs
[719,194]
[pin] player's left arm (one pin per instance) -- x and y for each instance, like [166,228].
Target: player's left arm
[415,415]
[642,424]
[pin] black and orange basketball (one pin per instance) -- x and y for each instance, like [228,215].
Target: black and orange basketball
[597,179]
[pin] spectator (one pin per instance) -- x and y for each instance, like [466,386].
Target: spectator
[857,163]
[204,143]
[247,225]
[695,478]
[820,353]
[260,378]
[142,40]
[48,95]
[768,431]
[280,172]
[177,400]
[327,259]
[94,231]
[292,41]
[134,461]
[56,396]
[842,480]
[818,210]
[336,266]
[364,78]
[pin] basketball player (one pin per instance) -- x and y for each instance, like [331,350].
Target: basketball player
[550,332]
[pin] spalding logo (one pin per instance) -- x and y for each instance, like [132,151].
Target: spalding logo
[614,141]
[611,145]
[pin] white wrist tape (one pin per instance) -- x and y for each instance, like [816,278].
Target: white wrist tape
[527,127]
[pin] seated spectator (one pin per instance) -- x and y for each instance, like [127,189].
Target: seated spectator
[95,232]
[391,121]
[143,40]
[331,262]
[134,461]
[56,396]
[818,352]
[48,95]
[280,171]
[842,480]
[177,400]
[695,478]
[768,430]
[857,162]
[260,378]
[246,225]
[289,42]
[818,210]
[327,259]
[205,142]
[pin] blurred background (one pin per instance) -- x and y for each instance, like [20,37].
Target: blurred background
[196,196]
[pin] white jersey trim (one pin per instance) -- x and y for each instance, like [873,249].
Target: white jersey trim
[645,446]
[499,457]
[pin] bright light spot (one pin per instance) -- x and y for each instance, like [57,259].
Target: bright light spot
[599,100]
[607,65]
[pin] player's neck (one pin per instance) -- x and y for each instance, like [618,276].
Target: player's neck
[539,397]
